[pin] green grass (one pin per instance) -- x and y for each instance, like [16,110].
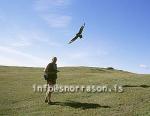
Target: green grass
[17,96]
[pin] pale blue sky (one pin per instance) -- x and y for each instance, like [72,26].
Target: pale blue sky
[117,33]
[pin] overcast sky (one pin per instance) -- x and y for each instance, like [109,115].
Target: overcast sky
[117,33]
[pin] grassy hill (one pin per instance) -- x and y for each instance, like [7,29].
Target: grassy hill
[18,98]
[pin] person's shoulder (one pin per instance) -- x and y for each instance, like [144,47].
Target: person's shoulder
[49,64]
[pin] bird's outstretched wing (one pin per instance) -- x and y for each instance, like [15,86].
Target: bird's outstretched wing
[79,34]
[73,39]
[81,29]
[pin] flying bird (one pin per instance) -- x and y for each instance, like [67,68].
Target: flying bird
[78,35]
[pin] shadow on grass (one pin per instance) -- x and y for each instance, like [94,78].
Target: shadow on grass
[143,86]
[83,106]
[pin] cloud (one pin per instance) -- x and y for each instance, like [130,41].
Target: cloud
[20,44]
[45,5]
[51,12]
[23,41]
[22,38]
[15,57]
[144,66]
[57,21]
[54,44]
[18,39]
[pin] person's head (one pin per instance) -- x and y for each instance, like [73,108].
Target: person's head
[54,59]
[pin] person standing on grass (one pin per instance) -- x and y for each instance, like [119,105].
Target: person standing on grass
[50,76]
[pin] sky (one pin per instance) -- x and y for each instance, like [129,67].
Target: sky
[117,33]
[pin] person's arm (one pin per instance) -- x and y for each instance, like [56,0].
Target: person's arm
[56,69]
[46,68]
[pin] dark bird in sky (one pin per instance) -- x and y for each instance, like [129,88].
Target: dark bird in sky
[78,35]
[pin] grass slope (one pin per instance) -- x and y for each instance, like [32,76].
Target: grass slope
[17,96]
